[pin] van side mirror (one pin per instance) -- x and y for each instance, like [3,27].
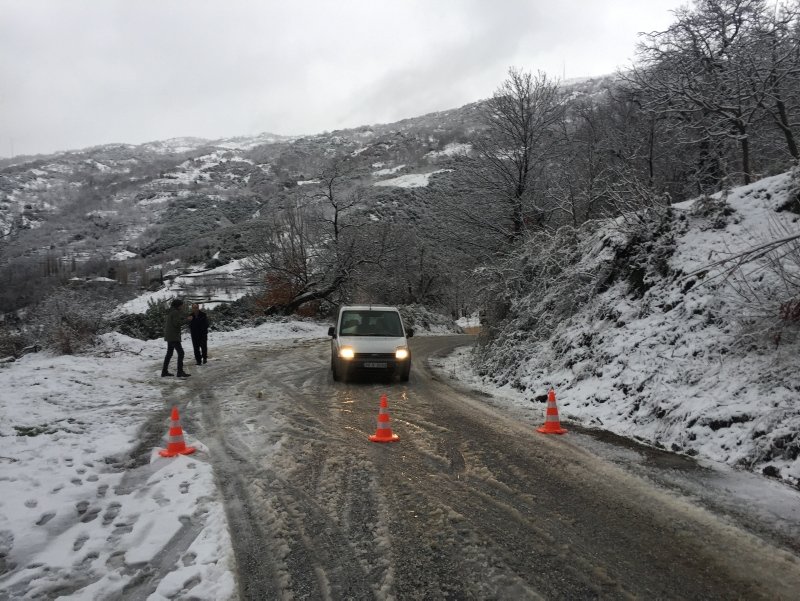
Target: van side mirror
[409,333]
[331,331]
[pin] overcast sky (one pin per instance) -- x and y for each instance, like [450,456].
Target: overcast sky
[76,73]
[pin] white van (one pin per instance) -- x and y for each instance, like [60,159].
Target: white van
[370,339]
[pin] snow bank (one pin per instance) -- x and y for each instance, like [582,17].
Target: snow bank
[658,357]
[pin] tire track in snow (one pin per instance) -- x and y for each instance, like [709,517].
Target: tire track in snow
[469,504]
[286,543]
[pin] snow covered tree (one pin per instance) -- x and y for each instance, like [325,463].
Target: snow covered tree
[699,72]
[522,118]
[774,63]
[309,250]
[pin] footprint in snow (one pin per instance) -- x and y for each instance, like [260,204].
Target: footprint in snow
[112,511]
[184,487]
[45,517]
[123,528]
[81,507]
[90,515]
[89,559]
[6,542]
[116,560]
[31,503]
[101,490]
[79,542]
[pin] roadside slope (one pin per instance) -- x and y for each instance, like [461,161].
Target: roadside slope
[683,363]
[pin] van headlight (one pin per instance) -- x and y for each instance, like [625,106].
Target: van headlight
[347,352]
[401,353]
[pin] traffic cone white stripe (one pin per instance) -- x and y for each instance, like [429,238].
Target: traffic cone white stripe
[384,431]
[175,442]
[551,425]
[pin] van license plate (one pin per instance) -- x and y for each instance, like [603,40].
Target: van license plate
[375,365]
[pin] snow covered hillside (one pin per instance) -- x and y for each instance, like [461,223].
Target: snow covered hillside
[635,344]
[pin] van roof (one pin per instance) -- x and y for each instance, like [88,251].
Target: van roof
[368,308]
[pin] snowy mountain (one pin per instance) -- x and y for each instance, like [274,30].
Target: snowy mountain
[126,212]
[123,197]
[116,198]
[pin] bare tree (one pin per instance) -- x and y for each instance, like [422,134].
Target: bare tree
[592,145]
[308,251]
[521,118]
[340,198]
[773,62]
[695,72]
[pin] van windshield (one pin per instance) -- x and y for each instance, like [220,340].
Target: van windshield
[371,323]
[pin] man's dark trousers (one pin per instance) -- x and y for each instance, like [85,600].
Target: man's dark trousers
[200,345]
[173,346]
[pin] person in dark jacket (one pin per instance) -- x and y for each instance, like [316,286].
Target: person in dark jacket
[172,334]
[198,327]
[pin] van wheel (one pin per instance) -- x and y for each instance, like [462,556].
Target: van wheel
[336,375]
[405,373]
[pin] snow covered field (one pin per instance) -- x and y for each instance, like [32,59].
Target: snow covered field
[79,516]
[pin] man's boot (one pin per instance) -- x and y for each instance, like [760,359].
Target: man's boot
[165,370]
[183,374]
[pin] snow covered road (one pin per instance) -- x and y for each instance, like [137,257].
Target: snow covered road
[286,498]
[471,503]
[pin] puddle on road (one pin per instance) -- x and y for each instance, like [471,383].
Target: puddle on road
[620,449]
[760,505]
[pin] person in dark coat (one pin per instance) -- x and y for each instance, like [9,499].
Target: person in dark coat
[198,327]
[172,334]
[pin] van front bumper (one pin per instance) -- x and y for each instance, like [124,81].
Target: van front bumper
[374,362]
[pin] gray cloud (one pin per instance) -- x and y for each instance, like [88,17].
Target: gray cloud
[79,73]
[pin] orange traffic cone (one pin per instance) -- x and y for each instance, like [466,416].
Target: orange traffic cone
[175,443]
[551,423]
[384,431]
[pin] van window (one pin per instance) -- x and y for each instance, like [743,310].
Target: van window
[371,323]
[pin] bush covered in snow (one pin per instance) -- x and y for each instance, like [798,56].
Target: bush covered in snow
[425,321]
[643,334]
[149,325]
[242,313]
[68,320]
[555,276]
[144,326]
